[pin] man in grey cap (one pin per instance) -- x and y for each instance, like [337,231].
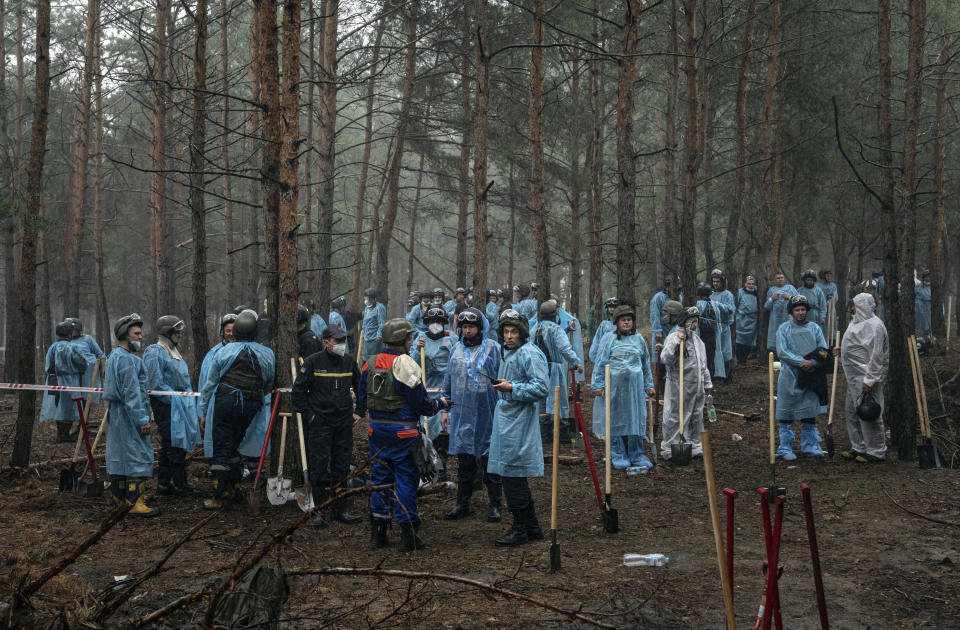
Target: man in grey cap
[321,394]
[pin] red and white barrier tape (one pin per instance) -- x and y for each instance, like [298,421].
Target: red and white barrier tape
[96,390]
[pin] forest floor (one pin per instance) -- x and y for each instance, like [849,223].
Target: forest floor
[883,567]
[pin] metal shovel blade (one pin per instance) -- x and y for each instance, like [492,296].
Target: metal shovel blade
[681,453]
[278,489]
[253,499]
[611,518]
[927,455]
[554,552]
[828,440]
[305,499]
[68,478]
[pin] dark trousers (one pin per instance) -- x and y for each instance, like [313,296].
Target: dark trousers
[710,343]
[743,353]
[517,492]
[329,452]
[232,416]
[170,456]
[467,467]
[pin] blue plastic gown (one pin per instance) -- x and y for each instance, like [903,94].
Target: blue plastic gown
[658,323]
[921,305]
[129,453]
[778,311]
[748,316]
[493,319]
[450,306]
[630,377]
[528,308]
[317,325]
[830,293]
[560,353]
[219,364]
[719,369]
[596,351]
[725,307]
[571,325]
[436,355]
[515,445]
[606,326]
[374,317]
[793,343]
[881,307]
[336,319]
[415,317]
[467,382]
[94,352]
[817,301]
[168,374]
[71,361]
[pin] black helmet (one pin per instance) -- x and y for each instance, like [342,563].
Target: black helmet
[548,309]
[169,324]
[501,293]
[125,323]
[245,326]
[622,311]
[868,409]
[470,315]
[64,329]
[239,308]
[511,317]
[370,293]
[716,273]
[823,273]
[534,287]
[522,289]
[491,293]
[798,300]
[809,273]
[704,289]
[691,312]
[460,290]
[78,326]
[229,318]
[396,331]
[436,314]
[339,302]
[611,301]
[303,314]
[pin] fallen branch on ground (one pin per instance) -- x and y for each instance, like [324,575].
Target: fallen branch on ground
[917,514]
[573,615]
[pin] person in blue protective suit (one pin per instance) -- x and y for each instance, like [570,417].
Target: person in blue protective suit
[777,301]
[796,340]
[571,326]
[468,379]
[235,400]
[94,352]
[880,287]
[391,388]
[696,384]
[606,326]
[437,344]
[64,364]
[921,306]
[335,318]
[317,323]
[421,303]
[492,311]
[829,288]
[631,381]
[308,341]
[657,318]
[176,416]
[725,307]
[523,303]
[374,317]
[516,452]
[226,336]
[552,340]
[748,317]
[816,299]
[709,330]
[129,452]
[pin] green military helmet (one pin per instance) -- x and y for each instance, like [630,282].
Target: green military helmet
[125,323]
[396,331]
[548,309]
[622,311]
[169,324]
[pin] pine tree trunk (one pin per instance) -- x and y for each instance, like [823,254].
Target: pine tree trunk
[356,297]
[772,224]
[26,411]
[393,175]
[104,337]
[511,247]
[307,151]
[412,242]
[688,233]
[626,163]
[575,177]
[707,114]
[541,247]
[938,228]
[270,171]
[229,258]
[326,151]
[158,179]
[466,142]
[596,164]
[254,270]
[480,256]
[669,230]
[8,221]
[198,223]
[77,178]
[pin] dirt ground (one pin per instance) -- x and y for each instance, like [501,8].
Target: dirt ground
[883,567]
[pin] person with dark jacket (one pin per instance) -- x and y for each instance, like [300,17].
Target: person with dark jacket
[321,394]
[391,386]
[306,339]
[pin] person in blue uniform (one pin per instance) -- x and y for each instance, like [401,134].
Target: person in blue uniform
[64,364]
[829,288]
[604,327]
[93,350]
[747,320]
[516,451]
[437,343]
[374,317]
[725,307]
[555,345]
[777,301]
[921,304]
[523,303]
[709,330]
[335,318]
[391,389]
[816,299]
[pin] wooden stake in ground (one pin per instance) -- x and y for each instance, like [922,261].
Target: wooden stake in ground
[949,315]
[718,542]
[554,545]
[360,349]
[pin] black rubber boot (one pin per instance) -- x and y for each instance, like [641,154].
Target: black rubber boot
[378,532]
[461,510]
[118,489]
[534,532]
[409,541]
[518,533]
[341,514]
[235,492]
[179,479]
[63,431]
[493,513]
[464,492]
[164,481]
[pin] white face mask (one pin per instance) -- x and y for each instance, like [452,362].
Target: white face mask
[134,346]
[367,302]
[339,349]
[435,328]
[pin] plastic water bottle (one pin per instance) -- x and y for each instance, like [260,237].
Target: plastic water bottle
[711,410]
[644,559]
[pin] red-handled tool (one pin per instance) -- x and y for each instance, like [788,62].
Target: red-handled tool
[254,499]
[814,555]
[731,497]
[578,413]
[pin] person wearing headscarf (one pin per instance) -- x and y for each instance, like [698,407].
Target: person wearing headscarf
[696,384]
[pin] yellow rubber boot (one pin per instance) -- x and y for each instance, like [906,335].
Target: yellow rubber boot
[135,498]
[216,501]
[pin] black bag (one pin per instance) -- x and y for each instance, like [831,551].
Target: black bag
[707,323]
[428,461]
[868,409]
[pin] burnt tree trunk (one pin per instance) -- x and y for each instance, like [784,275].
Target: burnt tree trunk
[270,176]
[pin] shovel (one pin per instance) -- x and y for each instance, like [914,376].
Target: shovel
[278,488]
[611,520]
[81,488]
[305,495]
[833,393]
[578,409]
[681,452]
[927,455]
[554,545]
[253,499]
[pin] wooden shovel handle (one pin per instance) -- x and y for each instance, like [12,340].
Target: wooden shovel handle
[606,427]
[556,460]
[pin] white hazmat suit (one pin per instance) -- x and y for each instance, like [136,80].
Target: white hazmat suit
[696,380]
[865,358]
